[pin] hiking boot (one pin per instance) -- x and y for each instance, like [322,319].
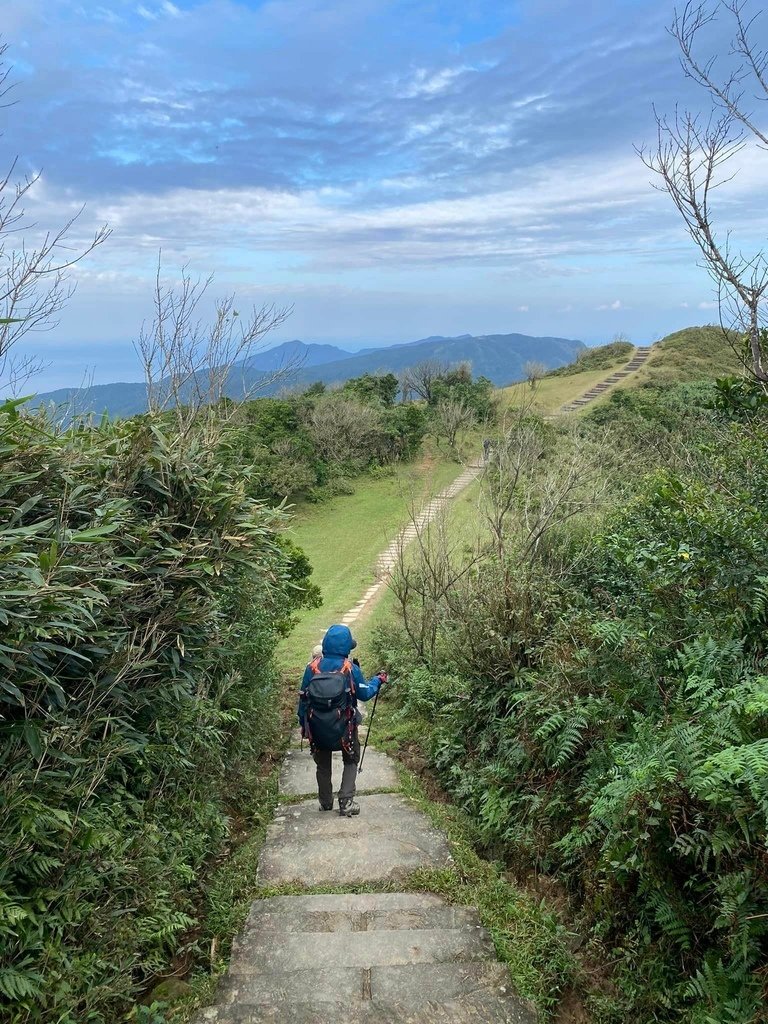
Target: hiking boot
[326,807]
[348,808]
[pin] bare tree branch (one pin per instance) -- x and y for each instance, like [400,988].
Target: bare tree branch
[34,279]
[421,378]
[192,364]
[729,91]
[693,157]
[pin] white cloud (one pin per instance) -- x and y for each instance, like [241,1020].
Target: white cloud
[617,304]
[523,309]
[707,305]
[424,82]
[535,217]
[166,7]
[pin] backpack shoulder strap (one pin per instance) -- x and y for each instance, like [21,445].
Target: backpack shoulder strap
[315,666]
[348,669]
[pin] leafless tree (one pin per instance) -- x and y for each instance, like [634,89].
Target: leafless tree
[35,277]
[192,363]
[343,429]
[693,156]
[531,485]
[451,416]
[423,376]
[426,579]
[404,381]
[534,371]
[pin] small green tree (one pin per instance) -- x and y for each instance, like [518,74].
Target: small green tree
[374,389]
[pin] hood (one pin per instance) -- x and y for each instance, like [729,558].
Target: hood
[338,641]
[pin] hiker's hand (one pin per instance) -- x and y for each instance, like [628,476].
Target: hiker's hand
[383,678]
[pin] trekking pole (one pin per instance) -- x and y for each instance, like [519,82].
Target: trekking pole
[370,724]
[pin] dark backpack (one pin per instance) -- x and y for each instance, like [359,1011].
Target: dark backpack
[329,708]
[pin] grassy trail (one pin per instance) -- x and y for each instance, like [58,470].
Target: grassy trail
[344,536]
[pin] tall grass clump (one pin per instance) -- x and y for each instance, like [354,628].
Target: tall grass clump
[141,593]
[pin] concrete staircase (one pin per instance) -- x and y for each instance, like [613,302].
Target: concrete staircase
[639,357]
[374,957]
[378,958]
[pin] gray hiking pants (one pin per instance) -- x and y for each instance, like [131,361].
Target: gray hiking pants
[324,760]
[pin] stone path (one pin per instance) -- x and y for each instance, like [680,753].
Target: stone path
[388,558]
[376,958]
[386,958]
[373,958]
[639,356]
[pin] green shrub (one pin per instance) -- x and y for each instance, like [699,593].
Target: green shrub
[141,593]
[602,715]
[374,389]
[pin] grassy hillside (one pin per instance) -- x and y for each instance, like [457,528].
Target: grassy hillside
[603,357]
[695,353]
[559,387]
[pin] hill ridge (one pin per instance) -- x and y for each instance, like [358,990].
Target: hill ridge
[500,357]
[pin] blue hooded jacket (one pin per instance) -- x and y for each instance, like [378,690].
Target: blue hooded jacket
[337,646]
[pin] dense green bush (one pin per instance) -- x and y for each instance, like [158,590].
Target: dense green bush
[375,389]
[310,445]
[602,712]
[141,594]
[458,385]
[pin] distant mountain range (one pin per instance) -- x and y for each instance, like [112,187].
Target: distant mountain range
[295,365]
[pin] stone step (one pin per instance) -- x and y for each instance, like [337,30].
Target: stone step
[315,921]
[384,987]
[350,903]
[481,1007]
[390,839]
[268,953]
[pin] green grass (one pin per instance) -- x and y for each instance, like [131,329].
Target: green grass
[551,393]
[343,538]
[696,353]
[601,357]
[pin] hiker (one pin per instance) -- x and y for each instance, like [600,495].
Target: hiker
[328,715]
[487,448]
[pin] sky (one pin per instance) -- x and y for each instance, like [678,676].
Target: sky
[390,169]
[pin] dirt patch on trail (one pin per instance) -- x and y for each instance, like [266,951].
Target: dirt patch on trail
[571,1010]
